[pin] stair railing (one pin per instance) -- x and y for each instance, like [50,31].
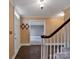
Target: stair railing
[54,43]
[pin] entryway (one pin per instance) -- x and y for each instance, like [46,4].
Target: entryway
[16,32]
[36,30]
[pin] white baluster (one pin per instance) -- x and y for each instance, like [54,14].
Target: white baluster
[57,43]
[46,47]
[42,50]
[54,47]
[47,52]
[61,41]
[65,36]
[50,49]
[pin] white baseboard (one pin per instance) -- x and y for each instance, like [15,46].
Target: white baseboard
[35,43]
[16,52]
[28,44]
[25,44]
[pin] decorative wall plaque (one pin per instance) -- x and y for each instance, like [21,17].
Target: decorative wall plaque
[24,26]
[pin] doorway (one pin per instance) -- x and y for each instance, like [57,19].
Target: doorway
[16,32]
[36,30]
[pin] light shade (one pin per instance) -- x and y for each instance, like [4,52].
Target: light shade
[60,14]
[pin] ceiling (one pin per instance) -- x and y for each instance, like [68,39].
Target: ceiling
[32,7]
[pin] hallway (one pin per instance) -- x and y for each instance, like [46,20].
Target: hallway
[39,29]
[29,52]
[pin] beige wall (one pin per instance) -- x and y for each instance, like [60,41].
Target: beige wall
[24,32]
[67,13]
[52,24]
[25,35]
[11,41]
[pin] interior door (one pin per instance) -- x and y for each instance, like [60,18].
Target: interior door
[16,33]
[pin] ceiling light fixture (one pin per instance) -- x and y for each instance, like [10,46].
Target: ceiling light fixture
[61,14]
[42,4]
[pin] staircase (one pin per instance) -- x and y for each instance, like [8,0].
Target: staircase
[54,46]
[64,55]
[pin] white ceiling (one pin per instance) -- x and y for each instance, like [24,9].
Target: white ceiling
[32,7]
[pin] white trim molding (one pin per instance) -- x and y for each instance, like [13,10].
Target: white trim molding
[15,53]
[25,44]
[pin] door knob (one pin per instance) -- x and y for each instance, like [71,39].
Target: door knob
[10,32]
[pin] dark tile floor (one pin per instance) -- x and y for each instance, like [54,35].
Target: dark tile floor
[29,52]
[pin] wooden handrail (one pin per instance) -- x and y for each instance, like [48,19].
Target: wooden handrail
[59,28]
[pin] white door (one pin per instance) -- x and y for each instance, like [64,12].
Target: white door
[16,33]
